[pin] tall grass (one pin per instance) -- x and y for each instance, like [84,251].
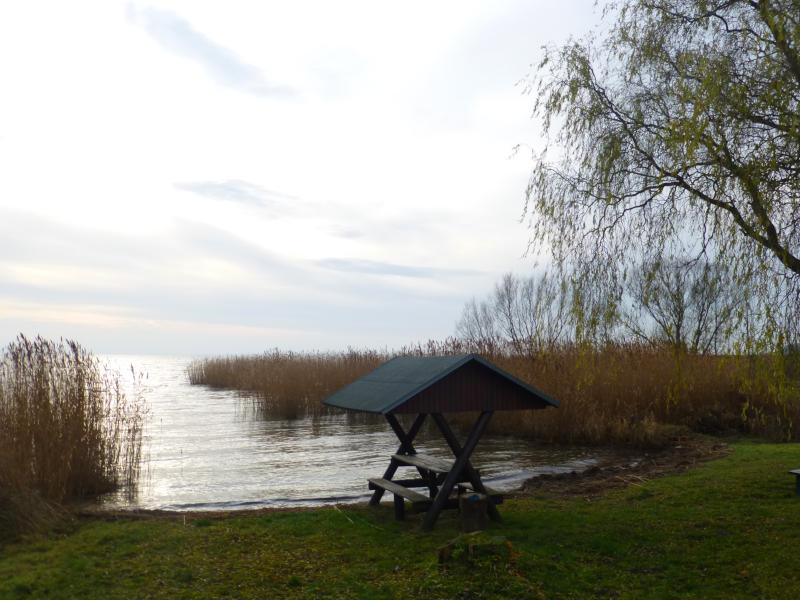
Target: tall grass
[636,394]
[67,429]
[630,394]
[287,384]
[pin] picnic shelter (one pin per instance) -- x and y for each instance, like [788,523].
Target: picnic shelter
[434,386]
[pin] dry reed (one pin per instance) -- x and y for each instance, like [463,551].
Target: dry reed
[286,384]
[633,394]
[67,429]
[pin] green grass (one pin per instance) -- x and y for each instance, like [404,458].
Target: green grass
[727,529]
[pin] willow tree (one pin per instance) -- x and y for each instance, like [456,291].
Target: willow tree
[677,133]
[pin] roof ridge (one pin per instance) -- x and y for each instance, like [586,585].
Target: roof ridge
[402,378]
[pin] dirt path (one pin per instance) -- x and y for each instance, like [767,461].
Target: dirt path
[596,480]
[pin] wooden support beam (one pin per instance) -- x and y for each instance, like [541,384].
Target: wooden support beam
[406,447]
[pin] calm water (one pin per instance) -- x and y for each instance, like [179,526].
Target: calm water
[206,449]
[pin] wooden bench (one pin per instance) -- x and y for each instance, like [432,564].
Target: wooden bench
[796,473]
[419,502]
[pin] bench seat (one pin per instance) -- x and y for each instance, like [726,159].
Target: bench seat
[419,502]
[396,489]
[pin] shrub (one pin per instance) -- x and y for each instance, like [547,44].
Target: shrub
[67,429]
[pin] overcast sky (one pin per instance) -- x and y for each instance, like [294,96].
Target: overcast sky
[187,177]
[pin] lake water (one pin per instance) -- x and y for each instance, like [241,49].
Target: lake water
[207,449]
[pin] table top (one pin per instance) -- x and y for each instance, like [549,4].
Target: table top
[429,463]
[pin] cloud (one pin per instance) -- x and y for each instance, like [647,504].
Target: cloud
[347,233]
[40,253]
[102,287]
[371,267]
[195,271]
[202,239]
[242,192]
[176,35]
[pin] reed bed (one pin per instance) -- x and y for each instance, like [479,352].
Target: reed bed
[286,384]
[631,394]
[67,430]
[628,394]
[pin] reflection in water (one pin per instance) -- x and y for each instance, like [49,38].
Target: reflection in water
[206,450]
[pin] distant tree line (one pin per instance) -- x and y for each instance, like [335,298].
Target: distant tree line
[688,305]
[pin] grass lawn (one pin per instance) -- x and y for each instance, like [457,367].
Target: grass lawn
[726,529]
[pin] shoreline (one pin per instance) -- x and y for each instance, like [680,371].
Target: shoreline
[593,482]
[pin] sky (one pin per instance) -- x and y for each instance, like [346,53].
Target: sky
[214,178]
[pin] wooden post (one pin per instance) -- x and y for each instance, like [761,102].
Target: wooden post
[452,477]
[406,439]
[399,507]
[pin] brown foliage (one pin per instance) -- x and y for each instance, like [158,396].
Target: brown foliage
[286,384]
[67,430]
[634,394]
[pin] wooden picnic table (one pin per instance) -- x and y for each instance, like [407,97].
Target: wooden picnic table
[431,387]
[437,475]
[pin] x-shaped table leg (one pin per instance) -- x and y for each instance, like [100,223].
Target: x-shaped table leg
[461,464]
[469,470]
[406,447]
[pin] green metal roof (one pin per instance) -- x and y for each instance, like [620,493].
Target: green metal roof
[395,382]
